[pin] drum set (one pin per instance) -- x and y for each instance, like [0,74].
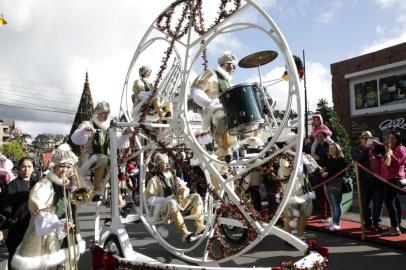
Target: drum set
[247,105]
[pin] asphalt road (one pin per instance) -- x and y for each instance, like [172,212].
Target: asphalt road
[344,253]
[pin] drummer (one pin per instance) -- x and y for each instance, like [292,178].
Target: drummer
[205,91]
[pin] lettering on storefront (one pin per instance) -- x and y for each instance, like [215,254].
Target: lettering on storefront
[390,124]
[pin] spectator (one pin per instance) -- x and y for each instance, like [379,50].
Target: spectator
[15,206]
[318,125]
[368,154]
[307,145]
[333,189]
[393,169]
[321,204]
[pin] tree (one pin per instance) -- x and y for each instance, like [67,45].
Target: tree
[340,135]
[84,113]
[13,150]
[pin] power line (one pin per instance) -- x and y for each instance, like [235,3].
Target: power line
[28,88]
[35,109]
[23,102]
[45,98]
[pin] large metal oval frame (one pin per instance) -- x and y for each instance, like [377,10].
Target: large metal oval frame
[209,162]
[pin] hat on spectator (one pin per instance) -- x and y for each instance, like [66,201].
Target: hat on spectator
[366,134]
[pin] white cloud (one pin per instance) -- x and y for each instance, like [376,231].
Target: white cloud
[318,84]
[384,4]
[327,16]
[378,45]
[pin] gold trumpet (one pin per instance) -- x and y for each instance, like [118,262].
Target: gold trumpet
[82,194]
[70,235]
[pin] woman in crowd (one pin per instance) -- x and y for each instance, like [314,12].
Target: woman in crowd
[16,205]
[393,169]
[333,189]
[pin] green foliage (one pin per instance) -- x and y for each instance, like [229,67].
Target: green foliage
[340,135]
[13,150]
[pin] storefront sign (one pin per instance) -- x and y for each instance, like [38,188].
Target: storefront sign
[390,124]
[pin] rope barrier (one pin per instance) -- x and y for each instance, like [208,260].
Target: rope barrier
[353,163]
[380,177]
[332,177]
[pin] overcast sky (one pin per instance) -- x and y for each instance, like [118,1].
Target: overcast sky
[48,45]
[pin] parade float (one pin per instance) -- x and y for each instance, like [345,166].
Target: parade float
[233,224]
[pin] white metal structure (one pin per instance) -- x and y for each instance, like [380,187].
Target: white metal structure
[180,130]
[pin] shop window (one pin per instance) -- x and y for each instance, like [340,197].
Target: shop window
[382,91]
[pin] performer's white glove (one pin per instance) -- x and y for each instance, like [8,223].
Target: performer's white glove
[200,97]
[214,106]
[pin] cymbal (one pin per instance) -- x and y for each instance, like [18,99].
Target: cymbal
[257,59]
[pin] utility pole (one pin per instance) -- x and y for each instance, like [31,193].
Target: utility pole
[305,96]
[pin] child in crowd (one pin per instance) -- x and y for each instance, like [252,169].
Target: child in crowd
[317,126]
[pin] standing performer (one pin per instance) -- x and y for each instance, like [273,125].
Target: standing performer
[205,92]
[170,195]
[44,245]
[94,136]
[142,90]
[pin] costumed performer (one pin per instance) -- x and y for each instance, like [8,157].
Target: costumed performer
[142,89]
[45,245]
[94,136]
[205,91]
[168,195]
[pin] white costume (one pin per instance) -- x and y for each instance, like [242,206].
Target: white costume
[205,91]
[167,195]
[94,136]
[300,203]
[142,89]
[42,246]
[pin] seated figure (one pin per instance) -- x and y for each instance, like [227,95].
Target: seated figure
[142,90]
[94,137]
[169,195]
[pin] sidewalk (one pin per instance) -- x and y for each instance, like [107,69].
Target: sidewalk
[352,229]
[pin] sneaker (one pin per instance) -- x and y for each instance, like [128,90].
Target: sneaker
[392,232]
[377,228]
[329,221]
[334,227]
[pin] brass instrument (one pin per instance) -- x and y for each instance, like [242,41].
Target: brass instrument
[73,259]
[82,194]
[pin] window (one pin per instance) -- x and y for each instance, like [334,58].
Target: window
[377,92]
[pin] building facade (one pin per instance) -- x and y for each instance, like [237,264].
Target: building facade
[6,126]
[369,92]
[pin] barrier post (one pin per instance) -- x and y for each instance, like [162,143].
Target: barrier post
[361,210]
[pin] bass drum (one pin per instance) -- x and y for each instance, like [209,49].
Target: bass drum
[242,108]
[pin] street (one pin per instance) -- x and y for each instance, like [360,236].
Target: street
[344,253]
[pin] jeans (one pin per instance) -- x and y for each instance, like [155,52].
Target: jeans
[335,205]
[391,194]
